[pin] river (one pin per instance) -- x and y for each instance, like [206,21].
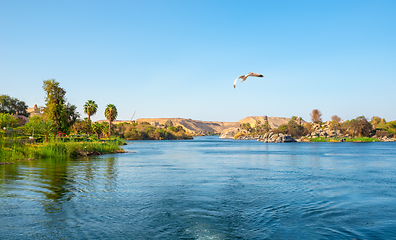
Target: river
[206,188]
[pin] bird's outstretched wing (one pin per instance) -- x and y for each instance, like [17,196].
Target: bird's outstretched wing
[244,78]
[237,79]
[254,74]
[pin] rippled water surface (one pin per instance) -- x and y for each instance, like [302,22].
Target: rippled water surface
[206,188]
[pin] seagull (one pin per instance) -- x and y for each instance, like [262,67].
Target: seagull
[243,77]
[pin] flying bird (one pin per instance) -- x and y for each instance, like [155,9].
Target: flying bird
[243,77]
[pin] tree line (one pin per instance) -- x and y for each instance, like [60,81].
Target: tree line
[60,118]
[358,127]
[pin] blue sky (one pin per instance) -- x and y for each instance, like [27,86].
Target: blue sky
[180,58]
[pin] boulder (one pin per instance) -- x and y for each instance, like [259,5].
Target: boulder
[229,132]
[276,138]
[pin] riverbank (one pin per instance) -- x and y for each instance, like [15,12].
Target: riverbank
[11,152]
[281,138]
[361,139]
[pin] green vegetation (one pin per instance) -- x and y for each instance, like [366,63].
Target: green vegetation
[357,127]
[7,120]
[60,133]
[13,149]
[111,114]
[361,139]
[90,108]
[293,128]
[258,128]
[239,134]
[145,131]
[49,135]
[354,130]
[384,128]
[12,106]
[62,114]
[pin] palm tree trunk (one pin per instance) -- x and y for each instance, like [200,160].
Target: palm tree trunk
[109,129]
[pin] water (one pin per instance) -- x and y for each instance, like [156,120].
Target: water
[207,188]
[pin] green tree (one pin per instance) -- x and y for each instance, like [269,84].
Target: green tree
[33,126]
[360,126]
[62,114]
[39,125]
[293,119]
[55,102]
[7,119]
[82,126]
[247,126]
[71,115]
[12,105]
[105,128]
[97,128]
[111,114]
[295,129]
[90,108]
[266,125]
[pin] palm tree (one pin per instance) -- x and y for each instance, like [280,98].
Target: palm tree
[46,127]
[97,128]
[90,108]
[111,115]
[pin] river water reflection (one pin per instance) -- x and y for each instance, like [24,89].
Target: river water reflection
[206,188]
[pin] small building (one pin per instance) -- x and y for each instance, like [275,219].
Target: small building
[34,111]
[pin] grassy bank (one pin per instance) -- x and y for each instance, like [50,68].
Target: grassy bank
[11,150]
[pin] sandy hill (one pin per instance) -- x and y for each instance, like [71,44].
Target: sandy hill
[199,127]
[274,122]
[194,126]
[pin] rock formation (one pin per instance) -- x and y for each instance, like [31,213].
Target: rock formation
[271,137]
[229,132]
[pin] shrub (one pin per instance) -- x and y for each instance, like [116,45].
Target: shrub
[133,134]
[360,127]
[239,134]
[282,128]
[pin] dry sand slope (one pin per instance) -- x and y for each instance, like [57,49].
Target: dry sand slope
[193,126]
[199,127]
[274,122]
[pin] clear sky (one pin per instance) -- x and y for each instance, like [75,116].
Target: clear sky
[180,58]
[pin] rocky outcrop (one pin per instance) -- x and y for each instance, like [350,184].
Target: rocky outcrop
[229,132]
[325,131]
[271,137]
[385,139]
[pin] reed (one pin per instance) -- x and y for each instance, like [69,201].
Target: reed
[12,150]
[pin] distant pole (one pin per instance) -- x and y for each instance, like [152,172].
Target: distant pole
[133,116]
